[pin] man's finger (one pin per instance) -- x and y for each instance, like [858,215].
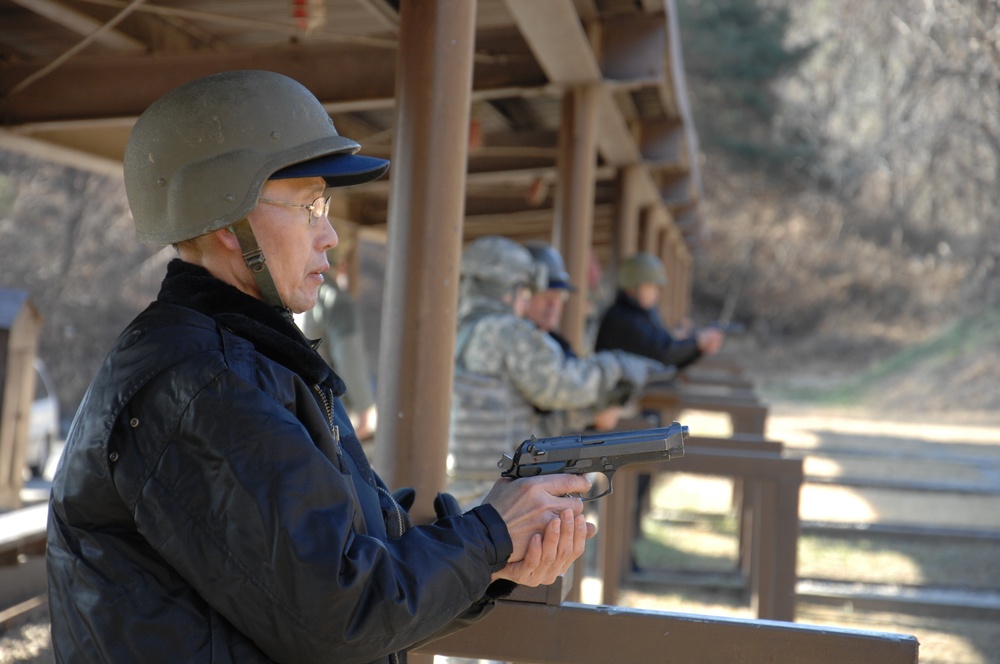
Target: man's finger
[564,484]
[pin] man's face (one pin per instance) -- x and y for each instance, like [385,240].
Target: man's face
[647,295]
[294,249]
[545,309]
[518,299]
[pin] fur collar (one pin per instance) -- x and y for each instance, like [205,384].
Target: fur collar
[272,332]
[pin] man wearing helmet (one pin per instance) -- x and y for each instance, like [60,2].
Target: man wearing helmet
[213,503]
[632,323]
[507,370]
[545,310]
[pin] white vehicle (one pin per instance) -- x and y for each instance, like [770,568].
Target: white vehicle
[43,427]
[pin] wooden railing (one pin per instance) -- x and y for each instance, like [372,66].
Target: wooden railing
[766,485]
[536,633]
[538,626]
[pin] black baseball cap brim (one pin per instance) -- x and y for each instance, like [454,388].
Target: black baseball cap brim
[561,284]
[339,170]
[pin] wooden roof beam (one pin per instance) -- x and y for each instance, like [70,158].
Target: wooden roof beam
[99,86]
[82,24]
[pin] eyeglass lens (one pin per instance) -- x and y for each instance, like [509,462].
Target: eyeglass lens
[321,207]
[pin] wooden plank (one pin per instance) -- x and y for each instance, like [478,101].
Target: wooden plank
[26,611]
[582,634]
[82,24]
[23,525]
[556,37]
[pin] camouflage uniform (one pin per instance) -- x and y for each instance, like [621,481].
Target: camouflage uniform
[506,368]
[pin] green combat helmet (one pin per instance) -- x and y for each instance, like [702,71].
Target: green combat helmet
[547,255]
[641,268]
[502,264]
[198,157]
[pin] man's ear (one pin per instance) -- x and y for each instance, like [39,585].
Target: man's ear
[227,236]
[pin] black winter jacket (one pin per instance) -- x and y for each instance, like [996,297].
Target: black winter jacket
[627,326]
[205,510]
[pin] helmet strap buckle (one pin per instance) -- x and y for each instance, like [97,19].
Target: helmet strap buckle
[253,256]
[254,259]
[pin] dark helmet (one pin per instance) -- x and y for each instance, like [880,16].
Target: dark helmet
[641,268]
[198,157]
[547,255]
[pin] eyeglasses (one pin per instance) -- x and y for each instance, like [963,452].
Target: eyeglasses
[318,209]
[524,292]
[556,294]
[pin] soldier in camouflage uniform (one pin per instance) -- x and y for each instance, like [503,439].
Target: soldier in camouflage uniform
[507,369]
[545,310]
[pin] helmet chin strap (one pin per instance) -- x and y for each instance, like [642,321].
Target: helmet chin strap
[254,259]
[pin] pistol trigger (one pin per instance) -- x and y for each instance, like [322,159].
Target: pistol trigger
[587,500]
[610,488]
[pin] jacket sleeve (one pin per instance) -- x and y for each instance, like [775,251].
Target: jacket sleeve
[548,379]
[636,334]
[242,503]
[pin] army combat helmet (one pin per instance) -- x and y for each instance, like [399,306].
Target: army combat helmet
[641,268]
[197,159]
[498,265]
[548,256]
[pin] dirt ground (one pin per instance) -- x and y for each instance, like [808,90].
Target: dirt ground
[863,467]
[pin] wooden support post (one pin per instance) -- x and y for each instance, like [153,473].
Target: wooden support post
[615,536]
[626,216]
[20,323]
[574,223]
[433,90]
[672,249]
[650,240]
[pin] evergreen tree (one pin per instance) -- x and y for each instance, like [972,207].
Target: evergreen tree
[733,51]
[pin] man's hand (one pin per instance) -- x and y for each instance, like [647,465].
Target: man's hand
[607,419]
[551,554]
[710,340]
[545,523]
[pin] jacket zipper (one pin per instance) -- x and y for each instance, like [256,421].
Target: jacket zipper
[397,512]
[397,509]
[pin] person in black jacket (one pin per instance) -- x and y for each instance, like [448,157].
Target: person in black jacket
[213,503]
[633,324]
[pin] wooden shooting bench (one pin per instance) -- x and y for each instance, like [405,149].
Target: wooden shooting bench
[549,630]
[22,565]
[769,518]
[768,528]
[747,413]
[723,372]
[22,532]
